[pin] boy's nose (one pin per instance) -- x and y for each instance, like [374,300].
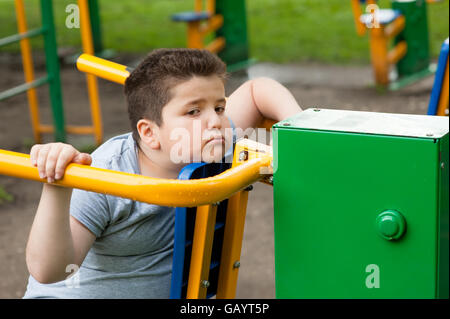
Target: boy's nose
[214,120]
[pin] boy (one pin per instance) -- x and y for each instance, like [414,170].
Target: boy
[122,248]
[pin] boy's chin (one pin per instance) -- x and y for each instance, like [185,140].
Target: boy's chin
[213,155]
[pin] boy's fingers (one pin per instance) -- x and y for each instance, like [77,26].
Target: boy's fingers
[41,159]
[65,157]
[83,159]
[52,159]
[33,154]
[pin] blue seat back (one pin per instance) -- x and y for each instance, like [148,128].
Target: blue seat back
[438,80]
[184,233]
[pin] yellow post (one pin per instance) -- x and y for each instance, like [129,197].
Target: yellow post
[28,69]
[198,283]
[443,99]
[357,12]
[88,47]
[378,54]
[195,39]
[198,6]
[211,6]
[235,220]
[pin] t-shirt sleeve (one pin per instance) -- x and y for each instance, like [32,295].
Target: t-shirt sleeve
[91,209]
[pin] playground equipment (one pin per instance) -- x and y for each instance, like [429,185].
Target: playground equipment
[225,192]
[361,205]
[439,95]
[371,221]
[406,26]
[52,78]
[382,231]
[91,39]
[228,20]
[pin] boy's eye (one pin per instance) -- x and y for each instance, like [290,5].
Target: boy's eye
[220,109]
[193,112]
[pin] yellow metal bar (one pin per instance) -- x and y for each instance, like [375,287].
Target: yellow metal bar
[71,129]
[378,53]
[357,12]
[232,245]
[394,28]
[211,6]
[235,220]
[216,46]
[102,68]
[198,5]
[443,99]
[195,39]
[398,52]
[214,23]
[28,69]
[268,123]
[164,192]
[198,283]
[88,47]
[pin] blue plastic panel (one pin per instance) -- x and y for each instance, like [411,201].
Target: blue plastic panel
[184,232]
[190,16]
[438,80]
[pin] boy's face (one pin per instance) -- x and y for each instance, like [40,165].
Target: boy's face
[194,125]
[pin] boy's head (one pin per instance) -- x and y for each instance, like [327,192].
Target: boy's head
[169,90]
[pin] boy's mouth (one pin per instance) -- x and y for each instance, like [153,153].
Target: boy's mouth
[216,139]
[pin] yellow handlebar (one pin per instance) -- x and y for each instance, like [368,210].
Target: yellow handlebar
[164,192]
[102,68]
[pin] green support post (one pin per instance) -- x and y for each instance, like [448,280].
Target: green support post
[53,71]
[361,205]
[95,26]
[234,30]
[416,63]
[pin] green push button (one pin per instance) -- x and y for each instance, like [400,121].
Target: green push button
[390,225]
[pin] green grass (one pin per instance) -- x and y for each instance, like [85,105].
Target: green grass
[279,30]
[5,197]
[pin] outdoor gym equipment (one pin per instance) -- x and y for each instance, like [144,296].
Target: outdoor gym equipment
[227,19]
[439,95]
[91,39]
[361,204]
[406,26]
[52,78]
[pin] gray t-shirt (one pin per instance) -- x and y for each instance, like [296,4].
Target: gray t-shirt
[132,254]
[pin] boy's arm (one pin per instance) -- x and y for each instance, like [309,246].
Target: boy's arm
[258,99]
[56,239]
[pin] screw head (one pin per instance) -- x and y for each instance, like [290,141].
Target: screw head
[286,124]
[429,134]
[442,165]
[270,180]
[205,283]
[237,264]
[243,156]
[248,188]
[316,110]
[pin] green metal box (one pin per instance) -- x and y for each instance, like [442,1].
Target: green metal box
[361,205]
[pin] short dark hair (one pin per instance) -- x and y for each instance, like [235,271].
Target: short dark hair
[148,88]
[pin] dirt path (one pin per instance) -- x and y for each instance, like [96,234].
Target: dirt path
[313,85]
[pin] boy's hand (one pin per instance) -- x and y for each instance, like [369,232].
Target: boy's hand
[52,159]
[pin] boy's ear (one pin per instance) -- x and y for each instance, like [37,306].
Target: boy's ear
[148,131]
